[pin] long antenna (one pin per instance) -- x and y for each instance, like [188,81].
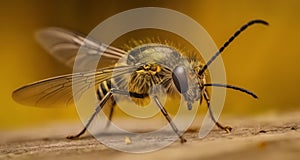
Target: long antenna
[230,40]
[231,87]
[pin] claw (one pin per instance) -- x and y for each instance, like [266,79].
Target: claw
[228,129]
[72,137]
[182,140]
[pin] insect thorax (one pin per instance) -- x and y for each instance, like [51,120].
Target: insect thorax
[155,63]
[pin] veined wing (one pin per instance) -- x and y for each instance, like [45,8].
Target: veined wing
[64,45]
[57,91]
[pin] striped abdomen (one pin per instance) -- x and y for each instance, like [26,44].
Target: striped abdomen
[104,87]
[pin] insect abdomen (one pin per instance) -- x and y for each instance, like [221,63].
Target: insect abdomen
[104,87]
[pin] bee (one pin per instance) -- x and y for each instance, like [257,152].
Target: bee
[144,66]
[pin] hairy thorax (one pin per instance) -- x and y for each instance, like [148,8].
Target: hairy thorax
[144,78]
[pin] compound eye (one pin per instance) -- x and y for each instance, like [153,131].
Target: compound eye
[180,80]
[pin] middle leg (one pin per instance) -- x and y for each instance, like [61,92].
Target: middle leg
[165,113]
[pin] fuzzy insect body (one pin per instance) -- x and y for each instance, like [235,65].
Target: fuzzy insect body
[137,72]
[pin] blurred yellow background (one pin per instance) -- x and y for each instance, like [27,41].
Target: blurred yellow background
[263,59]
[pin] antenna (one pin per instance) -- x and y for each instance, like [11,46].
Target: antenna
[245,26]
[232,87]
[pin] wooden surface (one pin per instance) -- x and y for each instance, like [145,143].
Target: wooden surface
[270,136]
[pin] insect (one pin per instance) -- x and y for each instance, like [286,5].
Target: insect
[145,66]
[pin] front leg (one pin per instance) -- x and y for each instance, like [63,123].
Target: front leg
[226,128]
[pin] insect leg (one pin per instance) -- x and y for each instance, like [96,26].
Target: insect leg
[121,92]
[226,128]
[165,113]
[102,103]
[111,113]
[117,91]
[98,109]
[104,88]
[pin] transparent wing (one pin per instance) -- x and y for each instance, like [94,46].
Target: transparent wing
[64,45]
[57,91]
